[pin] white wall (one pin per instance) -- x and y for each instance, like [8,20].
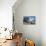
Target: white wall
[32,7]
[29,8]
[6,13]
[43,22]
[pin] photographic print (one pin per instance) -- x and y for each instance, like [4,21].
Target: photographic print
[29,19]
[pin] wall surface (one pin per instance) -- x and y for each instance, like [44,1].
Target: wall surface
[29,8]
[43,22]
[6,13]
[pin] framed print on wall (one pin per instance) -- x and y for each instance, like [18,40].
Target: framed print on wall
[29,20]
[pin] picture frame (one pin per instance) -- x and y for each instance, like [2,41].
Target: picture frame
[29,20]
